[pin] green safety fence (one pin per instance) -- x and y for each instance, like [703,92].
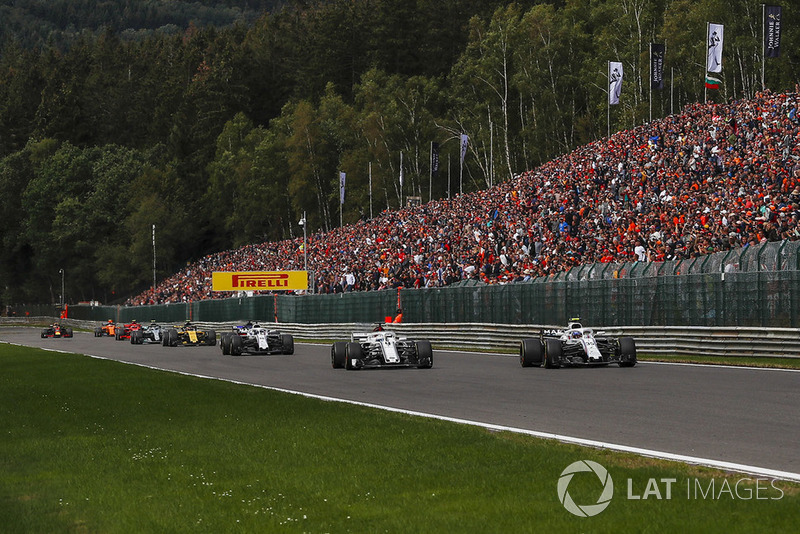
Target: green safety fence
[756,286]
[768,299]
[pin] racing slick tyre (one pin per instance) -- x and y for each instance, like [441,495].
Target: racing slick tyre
[287,343]
[118,334]
[530,352]
[353,352]
[338,354]
[171,338]
[627,352]
[44,334]
[68,332]
[552,354]
[136,337]
[424,354]
[211,340]
[98,332]
[236,345]
[224,343]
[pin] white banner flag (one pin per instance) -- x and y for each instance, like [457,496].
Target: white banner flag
[342,177]
[464,142]
[614,81]
[714,44]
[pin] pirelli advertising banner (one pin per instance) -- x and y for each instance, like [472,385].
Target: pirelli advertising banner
[259,281]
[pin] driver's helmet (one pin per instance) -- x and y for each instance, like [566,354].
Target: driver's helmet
[110,321]
[576,335]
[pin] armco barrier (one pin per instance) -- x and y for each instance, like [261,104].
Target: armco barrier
[663,340]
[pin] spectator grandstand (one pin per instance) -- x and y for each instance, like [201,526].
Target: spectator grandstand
[715,177]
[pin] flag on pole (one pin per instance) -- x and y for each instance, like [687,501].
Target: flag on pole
[614,81]
[434,158]
[712,83]
[657,52]
[772,31]
[342,178]
[714,45]
[464,142]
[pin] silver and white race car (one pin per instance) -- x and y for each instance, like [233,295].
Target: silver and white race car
[152,333]
[576,346]
[255,339]
[381,349]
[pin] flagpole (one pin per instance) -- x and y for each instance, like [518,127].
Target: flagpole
[401,180]
[448,177]
[341,204]
[608,101]
[763,45]
[705,63]
[430,182]
[671,90]
[370,190]
[651,82]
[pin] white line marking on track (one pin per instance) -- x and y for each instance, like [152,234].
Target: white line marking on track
[661,455]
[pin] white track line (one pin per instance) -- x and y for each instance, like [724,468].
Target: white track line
[707,462]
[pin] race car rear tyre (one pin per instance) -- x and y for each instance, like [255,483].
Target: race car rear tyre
[224,343]
[424,354]
[338,354]
[171,339]
[135,337]
[552,353]
[211,340]
[118,334]
[44,334]
[627,352]
[68,332]
[98,332]
[236,345]
[353,352]
[530,352]
[287,343]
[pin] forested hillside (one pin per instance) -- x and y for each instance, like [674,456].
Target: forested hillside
[222,131]
[60,22]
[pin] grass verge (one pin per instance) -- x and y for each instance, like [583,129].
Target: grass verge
[91,445]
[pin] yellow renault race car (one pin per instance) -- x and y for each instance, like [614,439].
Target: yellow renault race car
[188,335]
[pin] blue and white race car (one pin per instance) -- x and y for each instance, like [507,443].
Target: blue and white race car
[576,346]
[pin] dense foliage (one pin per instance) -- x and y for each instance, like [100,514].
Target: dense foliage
[223,131]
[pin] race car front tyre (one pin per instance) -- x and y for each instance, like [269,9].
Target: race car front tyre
[98,332]
[171,338]
[552,353]
[530,352]
[353,356]
[424,354]
[211,340]
[627,352]
[287,343]
[338,354]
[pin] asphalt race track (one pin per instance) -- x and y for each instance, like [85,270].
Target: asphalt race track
[738,415]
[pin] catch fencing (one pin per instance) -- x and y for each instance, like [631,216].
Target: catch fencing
[757,286]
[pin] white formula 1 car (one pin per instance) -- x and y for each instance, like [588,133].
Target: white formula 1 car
[576,346]
[255,339]
[152,333]
[381,349]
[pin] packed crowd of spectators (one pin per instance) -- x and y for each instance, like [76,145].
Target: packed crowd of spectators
[714,177]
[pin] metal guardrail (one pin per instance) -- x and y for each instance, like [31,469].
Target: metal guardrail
[667,340]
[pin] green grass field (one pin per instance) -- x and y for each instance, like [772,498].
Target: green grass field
[91,445]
